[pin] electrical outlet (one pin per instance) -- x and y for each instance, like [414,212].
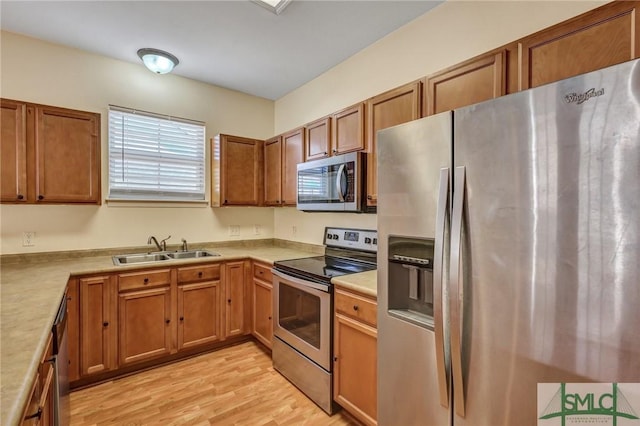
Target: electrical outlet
[28,239]
[234,230]
[294,230]
[257,229]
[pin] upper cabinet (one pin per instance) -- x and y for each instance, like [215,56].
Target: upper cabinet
[470,82]
[348,130]
[13,187]
[49,154]
[237,171]
[273,171]
[292,154]
[317,139]
[388,109]
[603,37]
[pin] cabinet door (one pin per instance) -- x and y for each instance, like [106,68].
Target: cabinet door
[273,171]
[317,139]
[388,109]
[355,379]
[470,82]
[348,130]
[292,154]
[262,324]
[97,325]
[241,171]
[13,154]
[198,313]
[73,329]
[603,37]
[67,146]
[235,295]
[144,324]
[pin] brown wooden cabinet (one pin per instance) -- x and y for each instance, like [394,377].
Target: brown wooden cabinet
[355,355]
[600,38]
[317,139]
[144,322]
[198,305]
[49,154]
[262,315]
[98,325]
[13,154]
[234,285]
[292,154]
[237,178]
[476,80]
[391,108]
[273,171]
[40,406]
[348,131]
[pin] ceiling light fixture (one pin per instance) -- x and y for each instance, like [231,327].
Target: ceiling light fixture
[158,61]
[275,6]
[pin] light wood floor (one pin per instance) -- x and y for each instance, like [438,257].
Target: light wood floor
[232,386]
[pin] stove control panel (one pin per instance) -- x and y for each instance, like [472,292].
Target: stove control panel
[356,239]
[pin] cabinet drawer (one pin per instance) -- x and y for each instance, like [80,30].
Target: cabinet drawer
[262,272]
[198,273]
[356,307]
[144,279]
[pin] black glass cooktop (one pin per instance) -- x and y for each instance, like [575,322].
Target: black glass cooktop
[322,268]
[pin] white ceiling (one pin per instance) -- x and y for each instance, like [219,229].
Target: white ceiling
[235,44]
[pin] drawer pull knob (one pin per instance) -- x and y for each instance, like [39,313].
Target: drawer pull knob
[181,318]
[335,359]
[105,324]
[355,307]
[20,197]
[167,321]
[228,300]
[40,197]
[269,318]
[146,280]
[200,274]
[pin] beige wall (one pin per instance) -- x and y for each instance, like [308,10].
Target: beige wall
[35,71]
[444,36]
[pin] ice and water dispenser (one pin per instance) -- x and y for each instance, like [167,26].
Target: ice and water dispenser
[410,292]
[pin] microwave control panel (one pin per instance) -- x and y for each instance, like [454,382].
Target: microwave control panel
[357,239]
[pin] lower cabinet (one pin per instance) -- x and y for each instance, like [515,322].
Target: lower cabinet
[40,409]
[262,313]
[98,325]
[198,305]
[355,377]
[235,312]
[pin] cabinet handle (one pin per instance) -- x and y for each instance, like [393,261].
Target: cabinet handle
[269,317]
[40,197]
[225,201]
[167,321]
[146,280]
[335,359]
[20,197]
[105,324]
[369,197]
[181,318]
[200,274]
[324,153]
[36,415]
[229,301]
[335,151]
[355,307]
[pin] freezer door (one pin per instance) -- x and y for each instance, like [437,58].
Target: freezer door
[411,360]
[549,250]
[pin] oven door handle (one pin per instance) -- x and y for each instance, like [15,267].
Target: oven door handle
[300,284]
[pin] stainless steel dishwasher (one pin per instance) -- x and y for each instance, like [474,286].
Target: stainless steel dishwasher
[61,366]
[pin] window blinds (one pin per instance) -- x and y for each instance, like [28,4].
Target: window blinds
[154,157]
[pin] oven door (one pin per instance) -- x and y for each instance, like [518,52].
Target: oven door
[303,317]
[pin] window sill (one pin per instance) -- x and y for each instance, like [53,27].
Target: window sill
[157,203]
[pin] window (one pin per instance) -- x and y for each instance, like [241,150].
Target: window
[154,157]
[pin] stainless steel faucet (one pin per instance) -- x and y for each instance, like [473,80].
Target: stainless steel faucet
[184,245]
[162,245]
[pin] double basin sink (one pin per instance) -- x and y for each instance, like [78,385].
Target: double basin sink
[135,258]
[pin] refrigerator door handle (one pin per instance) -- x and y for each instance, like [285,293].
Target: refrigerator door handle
[456,289]
[438,286]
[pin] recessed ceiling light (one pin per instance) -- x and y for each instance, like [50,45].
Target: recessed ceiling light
[275,6]
[158,61]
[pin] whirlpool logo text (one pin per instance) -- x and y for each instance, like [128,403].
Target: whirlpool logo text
[579,98]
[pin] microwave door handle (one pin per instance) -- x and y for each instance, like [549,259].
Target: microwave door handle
[339,182]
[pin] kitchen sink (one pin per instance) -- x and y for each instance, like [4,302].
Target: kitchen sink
[127,259]
[191,254]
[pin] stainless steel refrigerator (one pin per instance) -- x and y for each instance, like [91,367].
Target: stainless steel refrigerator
[509,252]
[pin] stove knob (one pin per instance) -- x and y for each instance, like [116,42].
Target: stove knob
[329,236]
[335,236]
[375,241]
[367,240]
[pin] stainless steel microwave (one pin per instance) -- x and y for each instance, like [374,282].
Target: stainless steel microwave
[332,184]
